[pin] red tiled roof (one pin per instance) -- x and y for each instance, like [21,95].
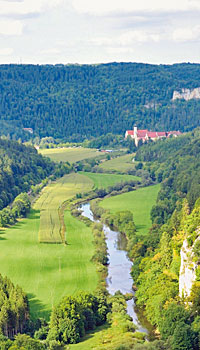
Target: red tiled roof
[152,134]
[142,133]
[161,133]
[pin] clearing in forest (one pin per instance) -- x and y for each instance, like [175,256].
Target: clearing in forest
[51,199]
[121,164]
[105,180]
[71,155]
[139,202]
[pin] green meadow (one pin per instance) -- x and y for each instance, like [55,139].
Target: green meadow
[121,164]
[106,180]
[51,198]
[139,202]
[71,155]
[47,272]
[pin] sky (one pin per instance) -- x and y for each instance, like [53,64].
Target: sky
[99,31]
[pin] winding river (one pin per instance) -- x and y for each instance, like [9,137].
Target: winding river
[119,268]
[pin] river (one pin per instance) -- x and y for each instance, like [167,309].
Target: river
[119,268]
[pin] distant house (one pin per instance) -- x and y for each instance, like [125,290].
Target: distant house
[146,135]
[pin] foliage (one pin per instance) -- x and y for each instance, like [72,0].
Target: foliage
[76,315]
[23,341]
[14,310]
[74,102]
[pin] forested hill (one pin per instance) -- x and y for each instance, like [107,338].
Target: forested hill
[20,167]
[75,102]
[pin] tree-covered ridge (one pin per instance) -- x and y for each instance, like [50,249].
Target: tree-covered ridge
[175,163]
[20,167]
[75,102]
[157,259]
[14,311]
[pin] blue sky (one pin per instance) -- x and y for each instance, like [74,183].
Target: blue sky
[97,31]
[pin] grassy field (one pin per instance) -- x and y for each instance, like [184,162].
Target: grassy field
[106,180]
[139,202]
[122,163]
[91,340]
[71,155]
[51,199]
[48,272]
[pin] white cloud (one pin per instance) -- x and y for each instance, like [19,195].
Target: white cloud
[51,51]
[11,27]
[26,6]
[7,51]
[127,39]
[186,34]
[140,36]
[106,6]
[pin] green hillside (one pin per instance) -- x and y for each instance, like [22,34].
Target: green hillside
[74,102]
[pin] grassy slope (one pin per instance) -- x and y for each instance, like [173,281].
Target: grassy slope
[121,164]
[71,155]
[105,180]
[139,202]
[35,267]
[51,199]
[91,340]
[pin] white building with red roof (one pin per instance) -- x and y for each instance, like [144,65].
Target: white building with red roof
[146,135]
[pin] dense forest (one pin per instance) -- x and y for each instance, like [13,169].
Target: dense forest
[20,168]
[75,102]
[14,310]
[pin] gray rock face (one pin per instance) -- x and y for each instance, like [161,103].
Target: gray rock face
[187,94]
[187,270]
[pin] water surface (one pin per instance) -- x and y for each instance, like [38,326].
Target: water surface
[119,268]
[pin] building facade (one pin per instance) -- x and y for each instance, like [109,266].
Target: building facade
[145,135]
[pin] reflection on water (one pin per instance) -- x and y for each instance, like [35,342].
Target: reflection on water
[119,268]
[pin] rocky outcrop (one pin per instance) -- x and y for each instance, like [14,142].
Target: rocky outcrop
[188,269]
[187,94]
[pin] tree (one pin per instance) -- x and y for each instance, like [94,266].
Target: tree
[173,316]
[184,338]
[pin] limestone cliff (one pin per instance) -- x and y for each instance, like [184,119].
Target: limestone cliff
[187,94]
[188,268]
